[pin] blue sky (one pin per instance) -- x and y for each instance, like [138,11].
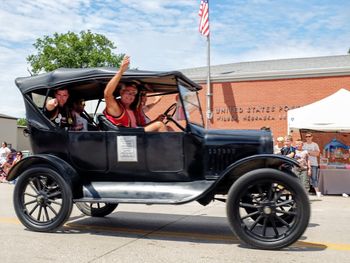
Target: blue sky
[163,34]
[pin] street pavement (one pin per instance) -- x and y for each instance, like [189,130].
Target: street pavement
[163,233]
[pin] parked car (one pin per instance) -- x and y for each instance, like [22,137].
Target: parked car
[267,207]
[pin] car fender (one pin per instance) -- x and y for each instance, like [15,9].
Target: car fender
[68,173]
[259,161]
[242,166]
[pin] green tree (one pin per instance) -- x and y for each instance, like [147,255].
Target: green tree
[22,122]
[73,50]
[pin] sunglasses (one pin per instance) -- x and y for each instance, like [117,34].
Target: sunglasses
[130,93]
[308,136]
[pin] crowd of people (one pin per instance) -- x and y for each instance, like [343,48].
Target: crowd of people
[8,159]
[306,153]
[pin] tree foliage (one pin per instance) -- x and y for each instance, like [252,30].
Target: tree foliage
[73,50]
[22,122]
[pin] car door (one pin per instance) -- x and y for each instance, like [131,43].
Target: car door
[146,156]
[88,150]
[164,152]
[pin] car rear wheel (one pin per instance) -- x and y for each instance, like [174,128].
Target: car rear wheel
[96,209]
[42,199]
[268,209]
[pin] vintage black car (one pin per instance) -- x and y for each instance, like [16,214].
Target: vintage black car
[97,169]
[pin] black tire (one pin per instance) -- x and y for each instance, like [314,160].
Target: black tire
[42,199]
[273,197]
[96,209]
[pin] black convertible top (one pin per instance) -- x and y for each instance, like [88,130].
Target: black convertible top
[71,77]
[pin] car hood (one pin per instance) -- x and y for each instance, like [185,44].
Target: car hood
[225,137]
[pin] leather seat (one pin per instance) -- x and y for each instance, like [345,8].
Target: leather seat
[106,125]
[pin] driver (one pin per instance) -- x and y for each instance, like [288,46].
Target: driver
[122,112]
[147,107]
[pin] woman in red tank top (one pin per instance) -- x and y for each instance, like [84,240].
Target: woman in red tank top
[120,112]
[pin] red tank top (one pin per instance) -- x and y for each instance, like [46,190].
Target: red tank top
[124,119]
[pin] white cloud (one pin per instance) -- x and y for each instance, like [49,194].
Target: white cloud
[12,66]
[157,6]
[148,30]
[289,50]
[162,34]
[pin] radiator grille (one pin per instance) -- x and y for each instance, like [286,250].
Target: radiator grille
[219,158]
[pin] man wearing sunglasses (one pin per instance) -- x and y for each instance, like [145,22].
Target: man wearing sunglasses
[123,111]
[313,151]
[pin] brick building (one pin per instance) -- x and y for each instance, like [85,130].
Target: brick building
[250,95]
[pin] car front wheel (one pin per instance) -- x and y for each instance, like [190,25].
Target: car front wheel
[268,209]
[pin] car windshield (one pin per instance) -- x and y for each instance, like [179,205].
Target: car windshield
[191,105]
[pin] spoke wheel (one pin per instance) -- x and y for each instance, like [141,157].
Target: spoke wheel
[42,199]
[96,209]
[284,210]
[268,209]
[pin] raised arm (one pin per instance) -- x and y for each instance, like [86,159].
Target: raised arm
[112,106]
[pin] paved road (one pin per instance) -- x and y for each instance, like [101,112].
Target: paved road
[186,233]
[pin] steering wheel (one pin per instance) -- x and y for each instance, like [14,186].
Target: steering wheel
[169,113]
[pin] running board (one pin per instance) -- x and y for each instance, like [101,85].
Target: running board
[144,192]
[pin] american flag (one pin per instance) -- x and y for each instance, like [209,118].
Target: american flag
[204,18]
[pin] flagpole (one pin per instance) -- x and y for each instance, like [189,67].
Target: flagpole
[204,30]
[209,113]
[209,94]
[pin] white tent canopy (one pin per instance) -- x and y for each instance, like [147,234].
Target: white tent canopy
[328,114]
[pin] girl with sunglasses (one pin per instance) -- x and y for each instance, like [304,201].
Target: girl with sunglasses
[121,111]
